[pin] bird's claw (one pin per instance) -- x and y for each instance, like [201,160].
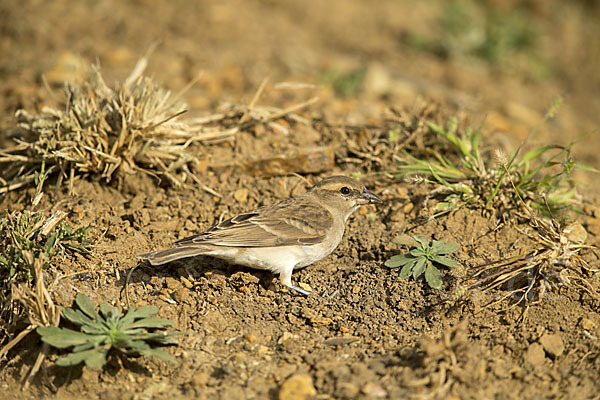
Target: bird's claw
[300,290]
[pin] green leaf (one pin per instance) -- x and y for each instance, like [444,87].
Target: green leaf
[535,153]
[110,312]
[95,329]
[407,269]
[158,353]
[89,345]
[394,135]
[419,267]
[142,312]
[150,323]
[135,345]
[586,167]
[405,240]
[444,205]
[97,359]
[422,240]
[85,304]
[159,337]
[446,261]
[433,277]
[418,253]
[75,358]
[50,244]
[443,247]
[398,260]
[77,317]
[61,337]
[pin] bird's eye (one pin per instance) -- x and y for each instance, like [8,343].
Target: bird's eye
[345,190]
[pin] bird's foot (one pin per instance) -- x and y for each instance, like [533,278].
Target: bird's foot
[300,290]
[327,295]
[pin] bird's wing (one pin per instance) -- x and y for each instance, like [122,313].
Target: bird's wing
[285,223]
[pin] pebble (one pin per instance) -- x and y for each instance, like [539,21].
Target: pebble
[297,387]
[241,195]
[251,339]
[181,294]
[408,207]
[588,324]
[553,344]
[199,380]
[347,390]
[374,390]
[286,336]
[535,354]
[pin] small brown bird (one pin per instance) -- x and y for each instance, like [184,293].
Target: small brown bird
[281,237]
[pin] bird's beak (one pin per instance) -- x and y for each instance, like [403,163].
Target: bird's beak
[368,198]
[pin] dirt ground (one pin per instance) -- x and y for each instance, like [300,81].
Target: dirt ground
[369,334]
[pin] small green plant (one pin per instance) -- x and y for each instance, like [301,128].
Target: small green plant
[30,231]
[539,176]
[130,334]
[421,259]
[344,84]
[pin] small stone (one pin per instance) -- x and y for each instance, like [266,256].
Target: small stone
[322,321]
[199,380]
[535,354]
[588,324]
[78,209]
[181,294]
[340,340]
[500,369]
[285,337]
[190,226]
[553,344]
[373,390]
[305,286]
[408,207]
[155,389]
[347,390]
[172,283]
[397,215]
[297,387]
[241,195]
[251,339]
[576,233]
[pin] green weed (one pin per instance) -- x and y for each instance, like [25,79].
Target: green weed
[539,176]
[130,333]
[30,232]
[421,260]
[344,84]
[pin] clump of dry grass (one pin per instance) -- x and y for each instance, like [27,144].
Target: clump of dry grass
[555,262]
[134,126]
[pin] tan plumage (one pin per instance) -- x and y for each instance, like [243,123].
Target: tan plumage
[281,237]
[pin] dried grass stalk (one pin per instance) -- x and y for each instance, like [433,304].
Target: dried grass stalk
[40,310]
[135,126]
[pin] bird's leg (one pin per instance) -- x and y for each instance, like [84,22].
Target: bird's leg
[286,280]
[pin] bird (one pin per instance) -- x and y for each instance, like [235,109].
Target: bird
[282,237]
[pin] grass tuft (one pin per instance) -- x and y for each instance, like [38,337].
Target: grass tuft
[539,176]
[134,126]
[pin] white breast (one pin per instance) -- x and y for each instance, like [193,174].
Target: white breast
[276,259]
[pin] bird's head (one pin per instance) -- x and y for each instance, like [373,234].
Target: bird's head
[344,194]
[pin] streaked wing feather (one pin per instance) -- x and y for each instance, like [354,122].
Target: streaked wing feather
[281,224]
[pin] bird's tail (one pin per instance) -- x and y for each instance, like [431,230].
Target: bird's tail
[165,256]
